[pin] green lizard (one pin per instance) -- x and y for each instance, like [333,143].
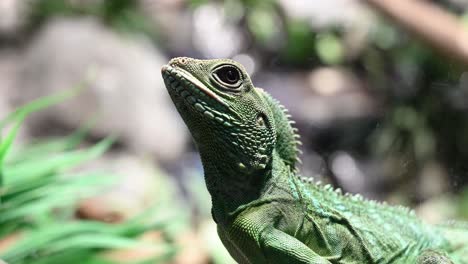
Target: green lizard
[265,212]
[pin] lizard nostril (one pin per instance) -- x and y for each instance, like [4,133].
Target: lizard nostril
[180,61]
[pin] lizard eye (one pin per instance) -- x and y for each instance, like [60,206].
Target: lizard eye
[228,76]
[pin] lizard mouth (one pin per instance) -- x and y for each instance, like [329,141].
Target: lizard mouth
[186,89]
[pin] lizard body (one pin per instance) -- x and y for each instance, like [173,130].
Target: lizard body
[265,212]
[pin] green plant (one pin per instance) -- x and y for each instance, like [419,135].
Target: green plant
[38,193]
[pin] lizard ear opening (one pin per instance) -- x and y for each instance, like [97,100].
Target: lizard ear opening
[287,138]
[261,120]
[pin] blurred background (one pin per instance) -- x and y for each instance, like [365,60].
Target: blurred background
[378,90]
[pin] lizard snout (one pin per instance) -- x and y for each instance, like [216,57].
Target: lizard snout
[180,61]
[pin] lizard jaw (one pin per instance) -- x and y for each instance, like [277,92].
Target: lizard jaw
[178,78]
[187,90]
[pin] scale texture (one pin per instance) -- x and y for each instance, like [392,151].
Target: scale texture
[265,212]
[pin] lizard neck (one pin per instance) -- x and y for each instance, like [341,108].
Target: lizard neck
[230,188]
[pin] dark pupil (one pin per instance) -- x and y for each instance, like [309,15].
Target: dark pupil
[228,75]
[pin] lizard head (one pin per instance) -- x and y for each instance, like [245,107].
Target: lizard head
[227,116]
[230,120]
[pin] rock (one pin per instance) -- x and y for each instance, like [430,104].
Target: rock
[204,30]
[7,71]
[168,15]
[214,35]
[127,94]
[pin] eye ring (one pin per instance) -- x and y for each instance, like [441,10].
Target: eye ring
[228,76]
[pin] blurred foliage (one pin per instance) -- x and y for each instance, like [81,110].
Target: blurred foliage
[424,97]
[38,194]
[123,15]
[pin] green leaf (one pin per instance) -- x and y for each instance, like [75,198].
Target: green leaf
[48,197]
[39,196]
[33,169]
[40,104]
[5,145]
[50,146]
[102,241]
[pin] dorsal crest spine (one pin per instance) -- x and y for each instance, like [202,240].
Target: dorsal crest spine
[287,138]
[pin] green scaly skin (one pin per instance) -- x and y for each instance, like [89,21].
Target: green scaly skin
[265,212]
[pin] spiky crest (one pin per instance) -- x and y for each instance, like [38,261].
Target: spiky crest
[355,198]
[287,138]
